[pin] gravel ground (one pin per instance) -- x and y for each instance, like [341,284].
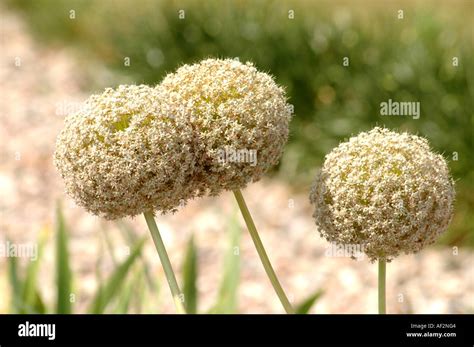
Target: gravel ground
[40,85]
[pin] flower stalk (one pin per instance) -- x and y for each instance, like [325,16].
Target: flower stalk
[165,262]
[382,275]
[262,253]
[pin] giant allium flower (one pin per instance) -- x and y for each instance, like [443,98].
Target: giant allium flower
[239,118]
[123,154]
[385,191]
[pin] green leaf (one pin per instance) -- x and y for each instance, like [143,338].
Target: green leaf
[190,274]
[227,297]
[30,290]
[39,305]
[107,292]
[140,295]
[130,237]
[305,306]
[126,294]
[16,284]
[110,245]
[98,272]
[124,300]
[63,270]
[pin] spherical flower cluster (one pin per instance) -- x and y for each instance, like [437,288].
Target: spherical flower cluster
[215,125]
[385,192]
[239,118]
[123,154]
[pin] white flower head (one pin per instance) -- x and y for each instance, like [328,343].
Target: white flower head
[388,192]
[232,108]
[123,154]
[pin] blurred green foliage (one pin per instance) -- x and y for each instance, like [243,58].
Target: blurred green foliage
[25,287]
[117,293]
[303,44]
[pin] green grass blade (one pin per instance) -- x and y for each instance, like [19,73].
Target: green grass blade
[98,273]
[107,292]
[30,289]
[305,306]
[227,297]
[39,305]
[130,237]
[16,285]
[139,294]
[126,295]
[190,273]
[63,270]
[110,245]
[123,304]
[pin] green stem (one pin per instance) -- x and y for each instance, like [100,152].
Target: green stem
[165,262]
[382,272]
[261,252]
